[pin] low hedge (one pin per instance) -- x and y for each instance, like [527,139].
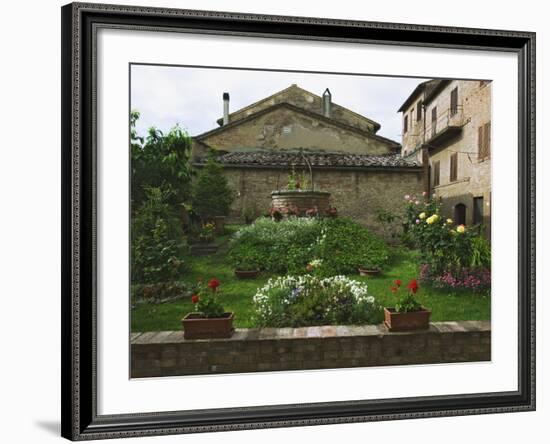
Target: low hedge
[335,245]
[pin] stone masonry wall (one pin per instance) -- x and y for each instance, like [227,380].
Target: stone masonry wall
[355,193]
[254,350]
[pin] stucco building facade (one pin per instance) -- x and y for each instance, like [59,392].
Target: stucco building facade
[447,126]
[295,129]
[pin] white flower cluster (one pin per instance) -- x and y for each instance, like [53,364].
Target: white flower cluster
[265,229]
[284,290]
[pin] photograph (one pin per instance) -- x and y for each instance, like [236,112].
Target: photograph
[293,220]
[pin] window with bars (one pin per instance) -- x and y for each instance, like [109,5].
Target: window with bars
[454,101]
[484,141]
[454,167]
[436,169]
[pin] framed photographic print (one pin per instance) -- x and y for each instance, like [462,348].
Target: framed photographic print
[279,221]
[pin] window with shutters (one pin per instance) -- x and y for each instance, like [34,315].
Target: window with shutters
[484,141]
[454,167]
[454,101]
[436,168]
[419,110]
[405,123]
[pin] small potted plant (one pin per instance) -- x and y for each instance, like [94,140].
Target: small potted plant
[408,313]
[209,320]
[206,234]
[331,212]
[369,268]
[246,268]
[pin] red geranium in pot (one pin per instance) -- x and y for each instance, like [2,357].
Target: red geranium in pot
[408,313]
[209,320]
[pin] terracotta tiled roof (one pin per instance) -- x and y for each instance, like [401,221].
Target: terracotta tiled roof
[279,158]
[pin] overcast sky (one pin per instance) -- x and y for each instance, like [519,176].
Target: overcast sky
[192,97]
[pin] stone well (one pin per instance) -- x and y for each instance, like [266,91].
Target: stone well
[302,199]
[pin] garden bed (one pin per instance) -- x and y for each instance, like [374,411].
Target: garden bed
[446,305]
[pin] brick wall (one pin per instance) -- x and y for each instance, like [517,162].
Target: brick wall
[355,193]
[253,350]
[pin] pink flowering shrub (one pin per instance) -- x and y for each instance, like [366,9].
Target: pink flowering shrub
[476,279]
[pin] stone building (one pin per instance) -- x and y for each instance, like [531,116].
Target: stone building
[447,126]
[295,129]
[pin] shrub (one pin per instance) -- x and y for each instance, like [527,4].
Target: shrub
[160,292]
[158,243]
[476,279]
[308,300]
[345,245]
[340,245]
[278,247]
[444,245]
[211,193]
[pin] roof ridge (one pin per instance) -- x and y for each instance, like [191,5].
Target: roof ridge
[296,86]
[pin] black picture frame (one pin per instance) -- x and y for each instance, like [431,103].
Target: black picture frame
[79,397]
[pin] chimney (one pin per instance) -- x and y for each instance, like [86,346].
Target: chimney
[327,103]
[225,108]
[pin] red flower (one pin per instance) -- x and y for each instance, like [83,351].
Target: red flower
[413,286]
[194,299]
[393,289]
[213,283]
[398,282]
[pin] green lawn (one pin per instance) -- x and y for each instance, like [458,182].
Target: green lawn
[237,294]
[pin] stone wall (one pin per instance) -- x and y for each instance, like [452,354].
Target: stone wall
[355,193]
[255,350]
[285,128]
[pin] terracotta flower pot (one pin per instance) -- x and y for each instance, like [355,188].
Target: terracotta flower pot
[247,274]
[195,326]
[368,271]
[412,320]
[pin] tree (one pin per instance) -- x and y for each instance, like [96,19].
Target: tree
[158,243]
[160,161]
[211,193]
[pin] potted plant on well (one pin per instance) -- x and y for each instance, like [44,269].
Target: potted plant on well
[408,313]
[246,268]
[209,320]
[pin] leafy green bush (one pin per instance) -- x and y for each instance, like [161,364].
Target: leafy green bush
[157,241]
[345,245]
[160,161]
[308,300]
[338,245]
[279,247]
[211,193]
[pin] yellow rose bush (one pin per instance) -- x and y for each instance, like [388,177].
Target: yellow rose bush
[454,256]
